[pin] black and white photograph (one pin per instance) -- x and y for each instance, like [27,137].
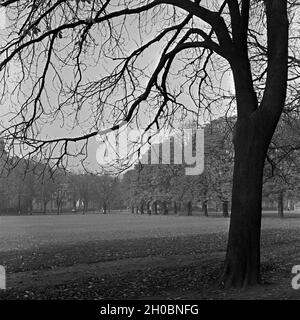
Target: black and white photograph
[149,151]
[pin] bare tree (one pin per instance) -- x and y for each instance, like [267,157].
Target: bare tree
[54,45]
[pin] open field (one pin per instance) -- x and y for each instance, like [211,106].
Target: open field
[130,256]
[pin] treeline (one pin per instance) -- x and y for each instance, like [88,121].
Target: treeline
[27,187]
[163,189]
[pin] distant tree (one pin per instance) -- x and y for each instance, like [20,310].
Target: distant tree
[61,187]
[46,187]
[85,188]
[281,176]
[103,186]
[219,160]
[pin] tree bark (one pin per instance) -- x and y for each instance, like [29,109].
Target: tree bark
[225,209]
[280,205]
[242,261]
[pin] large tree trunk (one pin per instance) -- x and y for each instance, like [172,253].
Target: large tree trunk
[253,132]
[280,205]
[243,250]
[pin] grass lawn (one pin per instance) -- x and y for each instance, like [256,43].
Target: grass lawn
[126,256]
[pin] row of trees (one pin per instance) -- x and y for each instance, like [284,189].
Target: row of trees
[167,185]
[26,187]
